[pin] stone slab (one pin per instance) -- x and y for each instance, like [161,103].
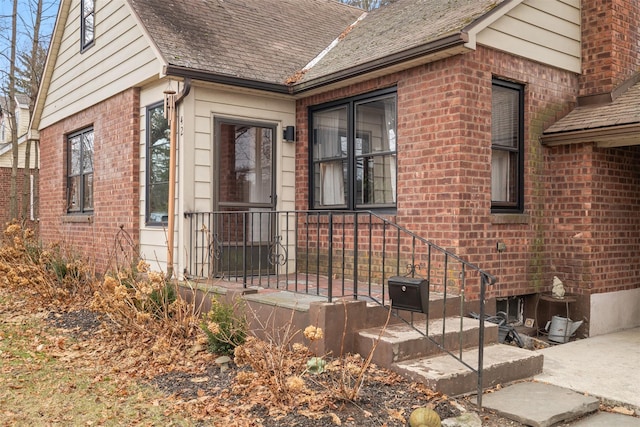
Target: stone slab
[605,419]
[290,300]
[539,405]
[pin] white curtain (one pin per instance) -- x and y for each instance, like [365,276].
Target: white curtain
[499,175]
[331,144]
[390,123]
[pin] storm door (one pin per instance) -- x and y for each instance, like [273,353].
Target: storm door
[245,198]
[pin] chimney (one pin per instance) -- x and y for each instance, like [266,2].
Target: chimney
[610,47]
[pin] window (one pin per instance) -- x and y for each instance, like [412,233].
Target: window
[353,154]
[507,154]
[157,188]
[87,23]
[80,172]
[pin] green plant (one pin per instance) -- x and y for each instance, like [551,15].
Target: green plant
[224,328]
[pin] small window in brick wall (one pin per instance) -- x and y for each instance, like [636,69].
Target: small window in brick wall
[80,171]
[507,147]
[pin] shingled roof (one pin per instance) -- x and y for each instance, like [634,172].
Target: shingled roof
[259,40]
[616,120]
[405,26]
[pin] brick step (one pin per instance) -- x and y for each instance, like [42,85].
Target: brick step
[401,342]
[502,363]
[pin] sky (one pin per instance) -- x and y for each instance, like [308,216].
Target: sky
[25,25]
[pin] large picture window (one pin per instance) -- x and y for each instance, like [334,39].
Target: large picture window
[507,154]
[157,188]
[80,172]
[353,153]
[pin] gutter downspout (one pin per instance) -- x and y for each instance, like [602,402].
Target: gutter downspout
[171,101]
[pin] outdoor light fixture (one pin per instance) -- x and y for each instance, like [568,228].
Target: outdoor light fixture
[289,134]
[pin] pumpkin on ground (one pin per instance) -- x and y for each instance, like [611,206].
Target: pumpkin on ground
[424,417]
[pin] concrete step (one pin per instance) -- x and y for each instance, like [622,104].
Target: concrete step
[401,342]
[502,363]
[439,307]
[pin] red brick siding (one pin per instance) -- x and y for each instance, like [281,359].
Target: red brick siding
[116,125]
[594,232]
[444,153]
[610,44]
[5,194]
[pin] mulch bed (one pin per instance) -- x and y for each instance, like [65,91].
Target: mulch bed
[380,403]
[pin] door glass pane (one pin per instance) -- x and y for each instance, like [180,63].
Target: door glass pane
[245,163]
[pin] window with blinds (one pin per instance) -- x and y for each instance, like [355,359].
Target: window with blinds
[507,117]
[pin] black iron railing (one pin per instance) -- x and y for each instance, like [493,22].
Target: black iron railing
[332,254]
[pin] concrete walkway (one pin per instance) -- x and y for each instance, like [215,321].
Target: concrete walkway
[576,377]
[606,366]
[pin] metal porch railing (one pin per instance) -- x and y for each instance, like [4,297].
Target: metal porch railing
[332,254]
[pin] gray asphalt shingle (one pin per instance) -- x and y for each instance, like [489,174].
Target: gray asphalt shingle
[624,110]
[265,40]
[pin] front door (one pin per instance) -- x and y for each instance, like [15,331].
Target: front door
[245,197]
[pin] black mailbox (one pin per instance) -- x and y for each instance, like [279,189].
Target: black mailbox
[408,293]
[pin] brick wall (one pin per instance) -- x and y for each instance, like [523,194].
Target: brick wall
[5,193]
[594,221]
[610,45]
[444,158]
[116,124]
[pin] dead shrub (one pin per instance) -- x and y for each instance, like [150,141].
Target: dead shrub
[55,274]
[145,303]
[278,366]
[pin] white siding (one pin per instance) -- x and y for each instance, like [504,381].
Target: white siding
[6,156]
[547,31]
[120,58]
[5,125]
[196,153]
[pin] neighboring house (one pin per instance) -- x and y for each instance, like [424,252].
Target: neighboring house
[503,131]
[6,153]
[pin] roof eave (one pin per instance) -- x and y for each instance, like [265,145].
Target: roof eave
[54,48]
[205,76]
[606,137]
[450,42]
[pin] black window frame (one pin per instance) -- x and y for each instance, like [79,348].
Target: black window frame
[82,209]
[149,157]
[516,206]
[85,20]
[351,192]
